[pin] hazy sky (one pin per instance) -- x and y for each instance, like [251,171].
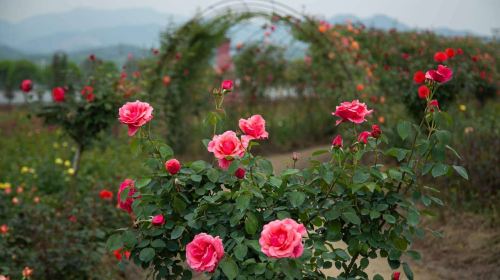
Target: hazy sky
[479,16]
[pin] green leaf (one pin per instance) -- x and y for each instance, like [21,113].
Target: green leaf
[243,201]
[166,152]
[198,166]
[158,243]
[378,277]
[213,175]
[147,254]
[461,171]
[296,198]
[141,183]
[389,218]
[251,223]
[414,255]
[177,232]
[404,129]
[374,214]
[351,217]
[129,239]
[360,177]
[413,218]
[229,267]
[114,242]
[408,272]
[439,169]
[400,243]
[240,251]
[195,178]
[342,254]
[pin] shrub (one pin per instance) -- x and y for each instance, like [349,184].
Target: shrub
[242,220]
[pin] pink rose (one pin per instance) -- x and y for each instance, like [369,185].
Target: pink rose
[58,94]
[337,141]
[282,239]
[227,85]
[354,111]
[158,220]
[135,114]
[204,252]
[127,204]
[363,137]
[226,147]
[442,75]
[173,166]
[254,127]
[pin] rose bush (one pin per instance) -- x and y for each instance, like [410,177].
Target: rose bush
[269,225]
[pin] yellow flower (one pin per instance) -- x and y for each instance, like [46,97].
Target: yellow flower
[5,186]
[65,144]
[71,171]
[67,163]
[462,107]
[55,145]
[25,169]
[59,161]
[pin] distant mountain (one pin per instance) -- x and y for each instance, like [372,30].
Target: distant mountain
[85,28]
[113,32]
[384,22]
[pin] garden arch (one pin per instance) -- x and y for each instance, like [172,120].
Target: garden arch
[187,52]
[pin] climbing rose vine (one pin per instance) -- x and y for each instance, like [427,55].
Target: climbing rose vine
[237,218]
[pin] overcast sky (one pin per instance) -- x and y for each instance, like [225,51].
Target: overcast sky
[479,16]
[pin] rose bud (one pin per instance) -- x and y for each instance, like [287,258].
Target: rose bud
[227,85]
[158,220]
[376,131]
[395,275]
[337,141]
[26,86]
[240,173]
[173,166]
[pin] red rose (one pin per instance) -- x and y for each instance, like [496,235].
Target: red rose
[460,51]
[395,275]
[106,194]
[58,94]
[450,52]
[240,173]
[419,77]
[440,57]
[423,92]
[376,131]
[173,166]
[441,75]
[26,86]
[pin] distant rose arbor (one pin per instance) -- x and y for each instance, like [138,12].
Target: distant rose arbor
[291,58]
